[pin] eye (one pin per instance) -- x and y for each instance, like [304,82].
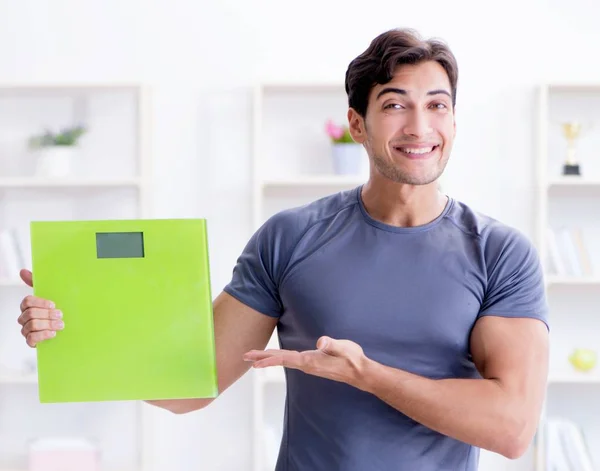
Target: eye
[395,106]
[439,106]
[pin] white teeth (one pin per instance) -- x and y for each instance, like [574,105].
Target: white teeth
[421,150]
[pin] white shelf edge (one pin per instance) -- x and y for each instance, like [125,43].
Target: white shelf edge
[300,86]
[51,86]
[8,283]
[18,379]
[573,182]
[553,280]
[313,180]
[71,182]
[574,378]
[562,87]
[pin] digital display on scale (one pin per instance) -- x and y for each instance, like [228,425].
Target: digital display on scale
[120,244]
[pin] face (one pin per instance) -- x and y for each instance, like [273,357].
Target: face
[409,127]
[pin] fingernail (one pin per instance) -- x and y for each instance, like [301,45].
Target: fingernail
[52,305]
[60,324]
[58,314]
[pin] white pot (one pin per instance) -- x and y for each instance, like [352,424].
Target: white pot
[347,158]
[55,161]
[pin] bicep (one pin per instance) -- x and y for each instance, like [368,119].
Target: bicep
[238,329]
[513,352]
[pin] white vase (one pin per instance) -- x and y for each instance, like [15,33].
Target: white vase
[347,158]
[55,161]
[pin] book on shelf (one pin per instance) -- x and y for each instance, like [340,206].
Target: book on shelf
[565,446]
[574,251]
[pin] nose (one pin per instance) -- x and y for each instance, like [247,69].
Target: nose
[417,124]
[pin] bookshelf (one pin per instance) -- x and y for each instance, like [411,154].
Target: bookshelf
[109,177]
[291,166]
[567,235]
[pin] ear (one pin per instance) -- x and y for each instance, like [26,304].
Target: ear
[454,121]
[356,126]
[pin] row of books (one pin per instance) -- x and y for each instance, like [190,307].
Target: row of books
[574,251]
[13,255]
[566,448]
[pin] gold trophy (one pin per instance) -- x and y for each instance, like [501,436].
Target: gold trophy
[571,131]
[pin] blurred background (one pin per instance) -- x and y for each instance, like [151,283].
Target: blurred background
[217,109]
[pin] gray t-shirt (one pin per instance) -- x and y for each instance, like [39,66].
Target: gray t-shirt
[409,296]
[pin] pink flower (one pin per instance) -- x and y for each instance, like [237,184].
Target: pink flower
[333,130]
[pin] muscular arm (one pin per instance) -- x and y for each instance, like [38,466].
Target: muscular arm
[238,328]
[499,412]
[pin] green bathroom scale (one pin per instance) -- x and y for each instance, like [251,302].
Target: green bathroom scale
[137,307]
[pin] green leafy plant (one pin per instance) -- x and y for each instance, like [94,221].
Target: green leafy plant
[65,137]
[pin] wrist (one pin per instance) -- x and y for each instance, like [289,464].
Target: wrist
[366,375]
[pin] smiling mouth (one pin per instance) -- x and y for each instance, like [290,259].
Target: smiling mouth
[416,152]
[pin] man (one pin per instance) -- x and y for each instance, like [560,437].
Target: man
[413,329]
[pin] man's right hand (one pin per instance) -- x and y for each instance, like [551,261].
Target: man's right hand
[39,317]
[238,329]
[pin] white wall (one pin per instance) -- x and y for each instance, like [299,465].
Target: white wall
[201,57]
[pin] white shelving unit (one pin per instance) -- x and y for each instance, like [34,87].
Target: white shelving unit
[291,167]
[566,203]
[37,182]
[111,178]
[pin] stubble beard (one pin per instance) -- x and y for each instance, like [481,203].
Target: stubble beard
[397,175]
[393,172]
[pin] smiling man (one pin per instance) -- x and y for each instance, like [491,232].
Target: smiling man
[413,329]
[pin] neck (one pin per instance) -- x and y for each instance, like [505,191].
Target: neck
[403,205]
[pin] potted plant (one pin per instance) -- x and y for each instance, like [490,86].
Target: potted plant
[347,155]
[55,150]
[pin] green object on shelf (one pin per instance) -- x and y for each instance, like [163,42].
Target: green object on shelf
[137,307]
[583,359]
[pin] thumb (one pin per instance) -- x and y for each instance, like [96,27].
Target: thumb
[27,277]
[330,346]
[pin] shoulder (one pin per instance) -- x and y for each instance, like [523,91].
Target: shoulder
[510,266]
[495,238]
[290,225]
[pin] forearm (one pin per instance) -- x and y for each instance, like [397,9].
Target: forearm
[180,406]
[476,411]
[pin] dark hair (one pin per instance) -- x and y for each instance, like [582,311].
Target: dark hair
[377,64]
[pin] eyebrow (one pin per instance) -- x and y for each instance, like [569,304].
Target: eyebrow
[401,91]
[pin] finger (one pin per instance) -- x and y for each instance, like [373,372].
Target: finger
[27,277]
[255,355]
[38,325]
[330,346]
[287,359]
[37,302]
[38,313]
[271,361]
[36,337]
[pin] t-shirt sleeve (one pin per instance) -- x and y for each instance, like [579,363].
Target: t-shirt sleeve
[258,270]
[515,286]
